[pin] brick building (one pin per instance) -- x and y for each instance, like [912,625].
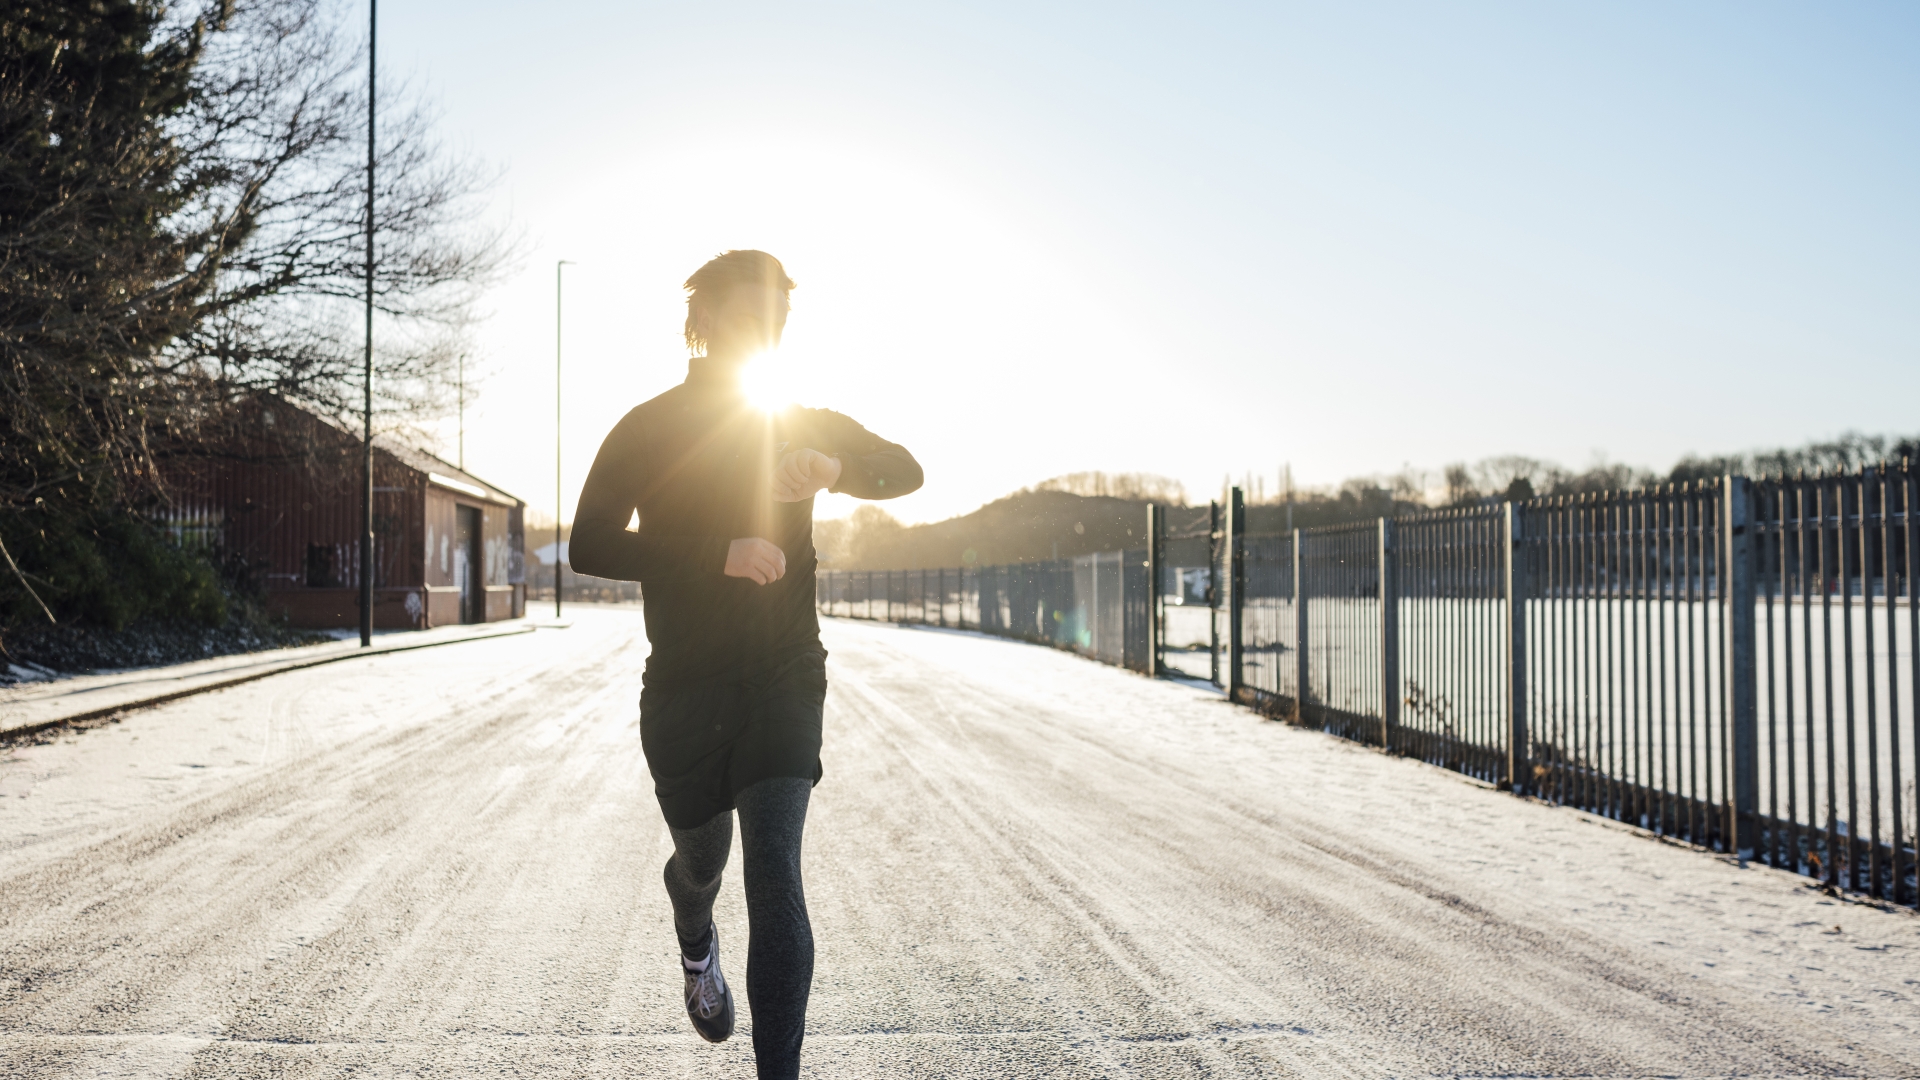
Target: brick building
[279,497]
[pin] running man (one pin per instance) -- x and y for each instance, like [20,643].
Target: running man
[732,694]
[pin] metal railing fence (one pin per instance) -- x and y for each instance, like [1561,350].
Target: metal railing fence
[1627,614]
[1269,620]
[1454,641]
[1833,565]
[1093,604]
[1731,664]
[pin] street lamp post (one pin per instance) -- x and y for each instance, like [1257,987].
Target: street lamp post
[366,387]
[559,500]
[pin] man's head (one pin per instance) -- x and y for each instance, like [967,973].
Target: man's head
[737,304]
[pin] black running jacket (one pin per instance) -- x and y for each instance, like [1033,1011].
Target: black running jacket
[696,463]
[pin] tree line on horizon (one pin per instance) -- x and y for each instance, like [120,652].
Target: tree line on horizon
[1085,512]
[182,227]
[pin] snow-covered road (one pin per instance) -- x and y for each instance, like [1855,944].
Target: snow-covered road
[1020,864]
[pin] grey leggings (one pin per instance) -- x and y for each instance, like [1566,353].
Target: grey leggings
[773,813]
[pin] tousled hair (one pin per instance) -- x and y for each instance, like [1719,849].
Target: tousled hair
[710,285]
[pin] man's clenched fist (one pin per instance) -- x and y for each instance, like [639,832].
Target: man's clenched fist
[762,561]
[803,474]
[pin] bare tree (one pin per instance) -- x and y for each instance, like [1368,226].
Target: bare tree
[1139,487]
[1847,452]
[1460,486]
[181,226]
[1512,476]
[276,134]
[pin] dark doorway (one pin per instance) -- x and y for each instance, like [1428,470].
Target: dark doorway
[466,564]
[320,567]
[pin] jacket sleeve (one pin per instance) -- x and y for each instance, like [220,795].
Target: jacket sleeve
[871,467]
[601,545]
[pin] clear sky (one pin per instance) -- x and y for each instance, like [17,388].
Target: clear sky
[1196,238]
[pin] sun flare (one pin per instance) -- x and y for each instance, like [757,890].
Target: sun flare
[767,382]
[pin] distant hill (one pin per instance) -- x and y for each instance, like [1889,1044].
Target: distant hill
[1075,515]
[1022,527]
[1031,525]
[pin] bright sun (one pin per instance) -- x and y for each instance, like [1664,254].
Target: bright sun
[766,380]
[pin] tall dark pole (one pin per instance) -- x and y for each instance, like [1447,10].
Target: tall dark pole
[366,406]
[559,500]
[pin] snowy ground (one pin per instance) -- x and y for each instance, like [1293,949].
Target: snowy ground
[1020,863]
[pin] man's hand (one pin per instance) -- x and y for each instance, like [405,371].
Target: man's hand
[762,561]
[803,474]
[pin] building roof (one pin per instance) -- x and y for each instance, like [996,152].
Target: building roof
[269,429]
[443,473]
[439,471]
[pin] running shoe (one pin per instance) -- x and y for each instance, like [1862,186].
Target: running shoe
[709,1001]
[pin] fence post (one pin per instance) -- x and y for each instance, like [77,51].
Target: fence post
[1389,636]
[1214,577]
[1302,689]
[1741,671]
[1513,586]
[1236,528]
[1154,517]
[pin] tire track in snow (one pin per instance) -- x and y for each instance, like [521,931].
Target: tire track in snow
[1020,865]
[1559,973]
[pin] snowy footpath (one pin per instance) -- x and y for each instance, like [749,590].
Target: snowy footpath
[1019,864]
